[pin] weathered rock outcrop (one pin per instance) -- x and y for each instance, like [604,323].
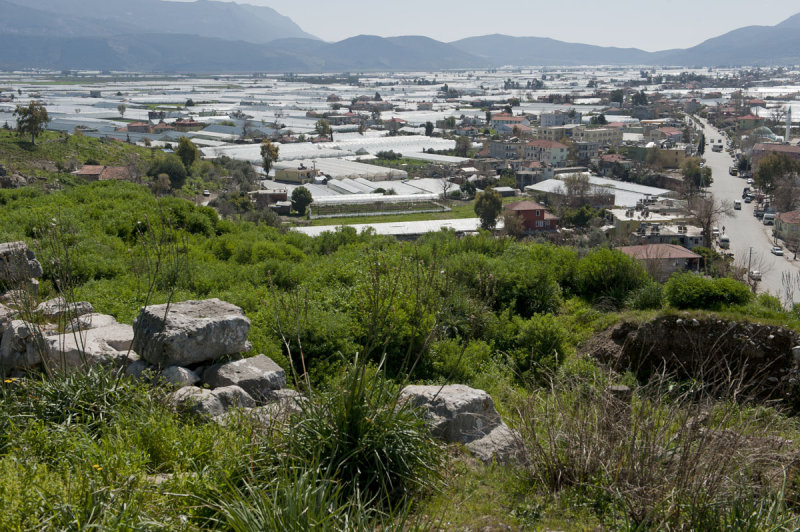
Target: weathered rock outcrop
[58,309]
[197,400]
[21,345]
[109,345]
[18,263]
[180,376]
[706,348]
[89,321]
[6,315]
[460,414]
[234,397]
[190,332]
[257,375]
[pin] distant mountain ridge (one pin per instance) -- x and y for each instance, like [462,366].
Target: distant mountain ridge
[207,18]
[212,36]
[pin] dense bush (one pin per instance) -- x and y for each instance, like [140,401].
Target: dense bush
[540,344]
[606,274]
[172,166]
[687,290]
[650,296]
[364,439]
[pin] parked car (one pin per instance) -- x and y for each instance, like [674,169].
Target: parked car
[755,275]
[737,205]
[206,193]
[777,250]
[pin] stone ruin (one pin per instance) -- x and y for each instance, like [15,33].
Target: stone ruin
[199,346]
[460,414]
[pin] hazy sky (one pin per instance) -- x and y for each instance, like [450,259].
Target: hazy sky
[649,25]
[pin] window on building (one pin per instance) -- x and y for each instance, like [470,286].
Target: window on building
[538,213]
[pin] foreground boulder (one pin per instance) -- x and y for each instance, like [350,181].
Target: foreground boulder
[109,345]
[258,376]
[180,376]
[58,309]
[279,407]
[89,321]
[211,403]
[197,400]
[460,414]
[234,397]
[6,315]
[18,263]
[21,345]
[190,332]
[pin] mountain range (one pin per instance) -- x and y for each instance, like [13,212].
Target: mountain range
[214,36]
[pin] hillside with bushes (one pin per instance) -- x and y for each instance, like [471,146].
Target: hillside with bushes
[353,318]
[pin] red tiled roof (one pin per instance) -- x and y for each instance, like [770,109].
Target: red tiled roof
[749,117]
[670,131]
[114,173]
[525,205]
[90,169]
[791,217]
[658,251]
[548,144]
[781,148]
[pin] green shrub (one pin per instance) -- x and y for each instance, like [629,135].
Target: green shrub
[769,302]
[687,290]
[650,296]
[606,274]
[459,362]
[541,344]
[362,438]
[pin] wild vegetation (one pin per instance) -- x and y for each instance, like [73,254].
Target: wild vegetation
[353,317]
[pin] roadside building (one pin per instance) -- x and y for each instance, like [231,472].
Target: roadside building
[663,260]
[535,217]
[787,226]
[506,119]
[560,118]
[748,122]
[761,150]
[549,152]
[300,174]
[103,173]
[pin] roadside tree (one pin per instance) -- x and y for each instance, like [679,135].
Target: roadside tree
[323,128]
[269,154]
[488,205]
[172,166]
[777,174]
[706,210]
[301,199]
[463,145]
[187,152]
[32,119]
[695,176]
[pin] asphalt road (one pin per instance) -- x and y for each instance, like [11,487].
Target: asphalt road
[751,240]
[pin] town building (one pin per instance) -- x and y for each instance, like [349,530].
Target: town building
[535,217]
[103,173]
[663,260]
[787,226]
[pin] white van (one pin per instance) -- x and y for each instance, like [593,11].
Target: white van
[724,242]
[769,218]
[737,205]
